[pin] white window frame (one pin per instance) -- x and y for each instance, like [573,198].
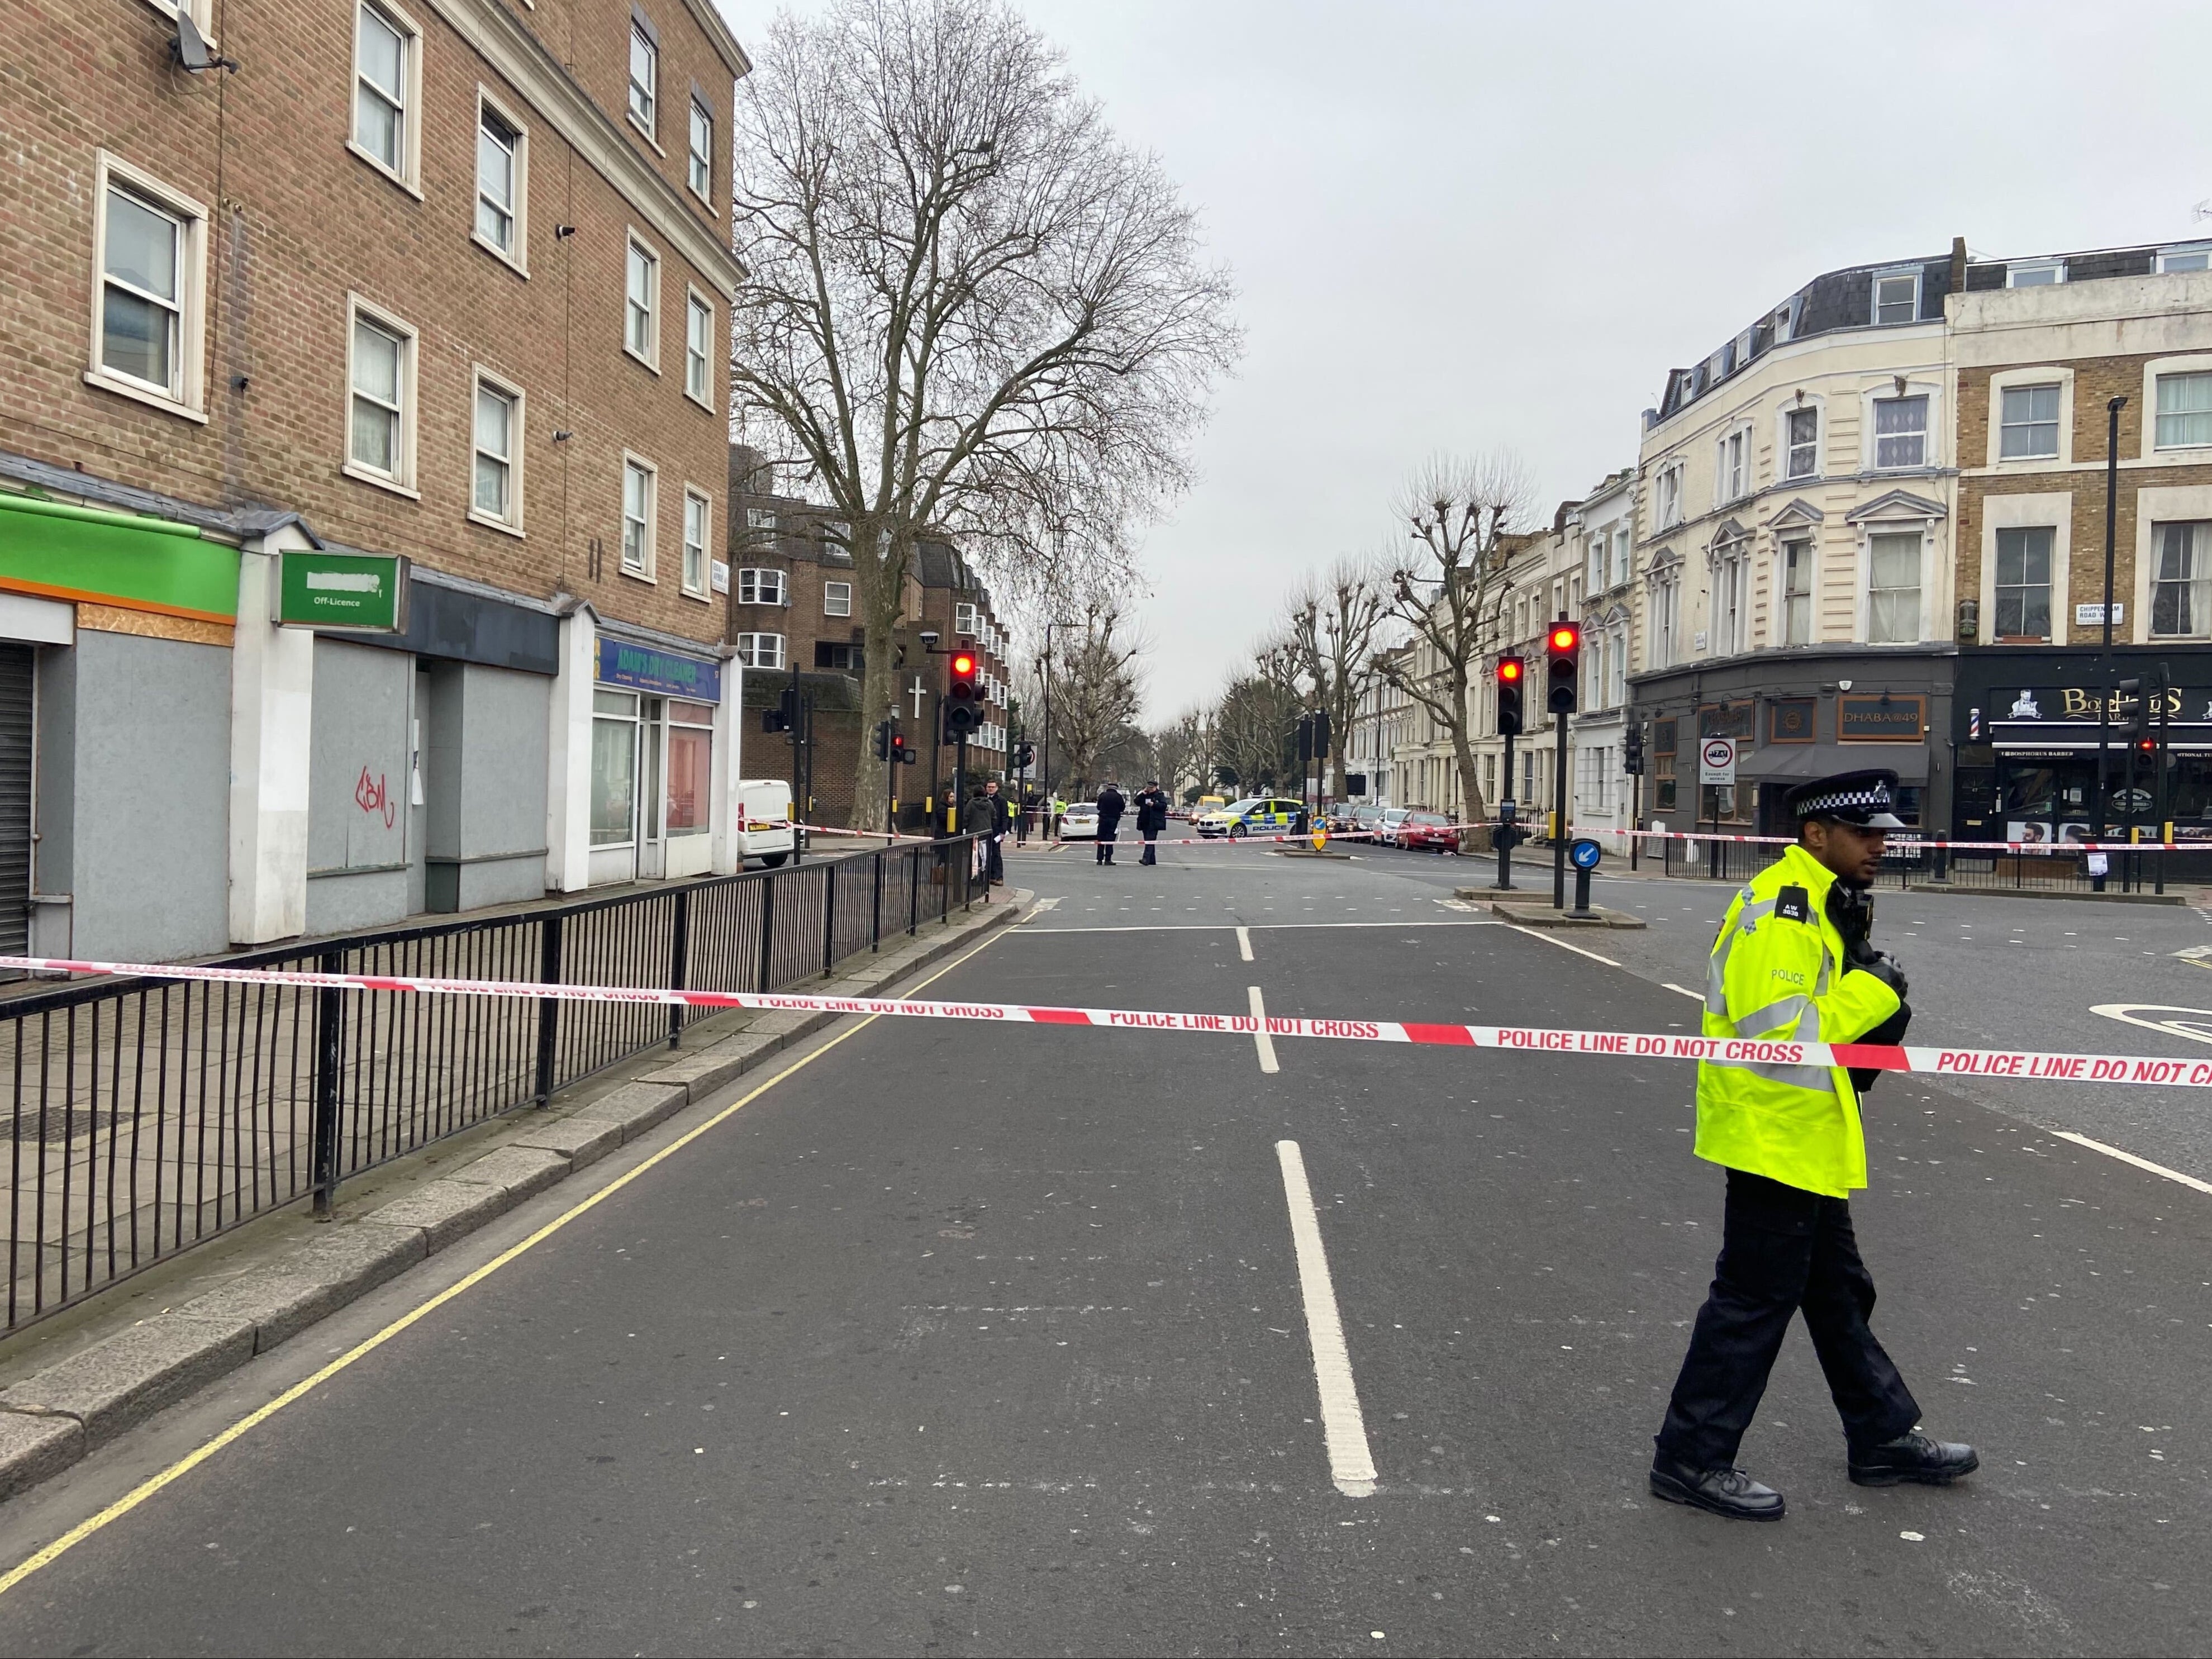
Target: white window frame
[2022,510]
[2028,389]
[1867,533]
[516,257]
[1728,626]
[836,599]
[202,13]
[1782,631]
[966,617]
[2156,507]
[643,572]
[1873,295]
[1997,584]
[701,357]
[760,518]
[402,483]
[408,175]
[187,397]
[2012,379]
[1869,417]
[694,156]
[1667,497]
[2203,621]
[749,580]
[747,645]
[2192,251]
[704,544]
[649,122]
[635,244]
[1733,465]
[480,381]
[2153,372]
[2054,270]
[1787,450]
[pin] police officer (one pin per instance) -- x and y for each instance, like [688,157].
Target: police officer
[1793,963]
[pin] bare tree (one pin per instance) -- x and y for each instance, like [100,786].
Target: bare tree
[1254,731]
[970,310]
[1182,752]
[1336,620]
[1096,689]
[1451,593]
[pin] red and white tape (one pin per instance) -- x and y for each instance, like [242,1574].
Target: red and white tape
[1905,843]
[1635,1045]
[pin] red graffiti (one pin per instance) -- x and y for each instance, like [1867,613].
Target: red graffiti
[371,796]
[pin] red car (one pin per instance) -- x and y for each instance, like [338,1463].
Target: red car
[1428,832]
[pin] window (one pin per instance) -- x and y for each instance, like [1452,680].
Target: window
[836,599]
[380,436]
[963,617]
[2023,585]
[641,301]
[1897,297]
[698,346]
[1620,553]
[614,769]
[638,482]
[760,518]
[844,658]
[1900,429]
[1894,588]
[385,80]
[697,514]
[1666,605]
[2027,419]
[701,170]
[495,492]
[499,183]
[1802,443]
[690,766]
[147,320]
[2196,257]
[759,650]
[2181,598]
[1594,563]
[1798,592]
[1670,497]
[2184,410]
[1731,602]
[760,587]
[2035,273]
[1734,465]
[644,76]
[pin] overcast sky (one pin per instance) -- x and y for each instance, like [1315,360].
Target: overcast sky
[1457,226]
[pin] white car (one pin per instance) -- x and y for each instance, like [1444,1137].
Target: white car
[1079,822]
[764,830]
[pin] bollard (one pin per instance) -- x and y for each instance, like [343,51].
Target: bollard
[1581,910]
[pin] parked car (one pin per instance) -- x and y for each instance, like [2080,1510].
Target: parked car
[764,828]
[1256,815]
[1079,822]
[1386,825]
[1428,832]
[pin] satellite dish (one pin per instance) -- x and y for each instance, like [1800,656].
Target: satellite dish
[190,47]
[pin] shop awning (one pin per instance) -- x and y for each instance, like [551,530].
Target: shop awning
[1794,761]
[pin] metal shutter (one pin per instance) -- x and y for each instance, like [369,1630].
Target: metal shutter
[14,800]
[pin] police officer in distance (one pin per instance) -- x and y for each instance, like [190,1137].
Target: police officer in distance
[1793,963]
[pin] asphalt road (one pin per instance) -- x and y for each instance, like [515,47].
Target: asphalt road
[966,1338]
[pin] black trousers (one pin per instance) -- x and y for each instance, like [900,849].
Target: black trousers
[996,870]
[1151,835]
[1783,1251]
[1105,844]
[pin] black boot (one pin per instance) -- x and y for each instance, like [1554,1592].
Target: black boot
[1723,1491]
[1911,1457]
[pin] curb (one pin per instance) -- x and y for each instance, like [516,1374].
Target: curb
[1947,889]
[56,1416]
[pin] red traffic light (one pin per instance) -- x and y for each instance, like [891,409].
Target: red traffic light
[1565,636]
[1509,669]
[963,664]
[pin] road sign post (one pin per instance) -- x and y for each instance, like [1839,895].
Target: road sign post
[1583,854]
[1716,769]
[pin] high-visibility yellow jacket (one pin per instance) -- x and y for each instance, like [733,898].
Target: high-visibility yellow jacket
[1777,972]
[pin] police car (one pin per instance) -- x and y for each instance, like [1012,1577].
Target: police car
[1257,815]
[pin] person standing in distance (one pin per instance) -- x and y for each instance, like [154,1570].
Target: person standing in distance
[999,818]
[1110,808]
[1793,963]
[1151,817]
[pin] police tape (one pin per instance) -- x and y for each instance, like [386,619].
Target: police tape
[1903,845]
[1919,1058]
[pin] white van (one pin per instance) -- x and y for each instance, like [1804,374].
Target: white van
[765,802]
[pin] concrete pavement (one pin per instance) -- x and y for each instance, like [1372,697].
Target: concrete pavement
[963,1337]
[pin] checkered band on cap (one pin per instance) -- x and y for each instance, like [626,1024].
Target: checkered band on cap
[1873,797]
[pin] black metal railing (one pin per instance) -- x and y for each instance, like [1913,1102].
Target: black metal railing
[2050,870]
[149,1115]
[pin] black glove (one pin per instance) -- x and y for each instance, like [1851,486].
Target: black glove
[1890,1032]
[1883,967]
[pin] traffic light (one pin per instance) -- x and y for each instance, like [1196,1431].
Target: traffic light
[784,717]
[1563,650]
[883,740]
[2128,695]
[1024,755]
[902,753]
[1632,750]
[963,702]
[1509,670]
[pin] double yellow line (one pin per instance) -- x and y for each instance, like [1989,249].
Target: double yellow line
[253,1419]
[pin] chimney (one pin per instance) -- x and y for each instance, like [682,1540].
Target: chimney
[1958,265]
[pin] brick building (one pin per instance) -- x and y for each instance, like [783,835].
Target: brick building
[428,305]
[792,608]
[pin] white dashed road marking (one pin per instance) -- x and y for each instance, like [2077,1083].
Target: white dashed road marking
[1244,943]
[1266,1043]
[1351,1464]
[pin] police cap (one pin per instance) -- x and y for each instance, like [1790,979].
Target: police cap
[1863,800]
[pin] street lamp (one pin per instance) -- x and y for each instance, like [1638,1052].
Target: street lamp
[1048,627]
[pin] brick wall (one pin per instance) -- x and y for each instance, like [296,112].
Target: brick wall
[299,221]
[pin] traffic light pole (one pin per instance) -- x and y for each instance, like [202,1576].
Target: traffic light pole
[1560,819]
[1505,827]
